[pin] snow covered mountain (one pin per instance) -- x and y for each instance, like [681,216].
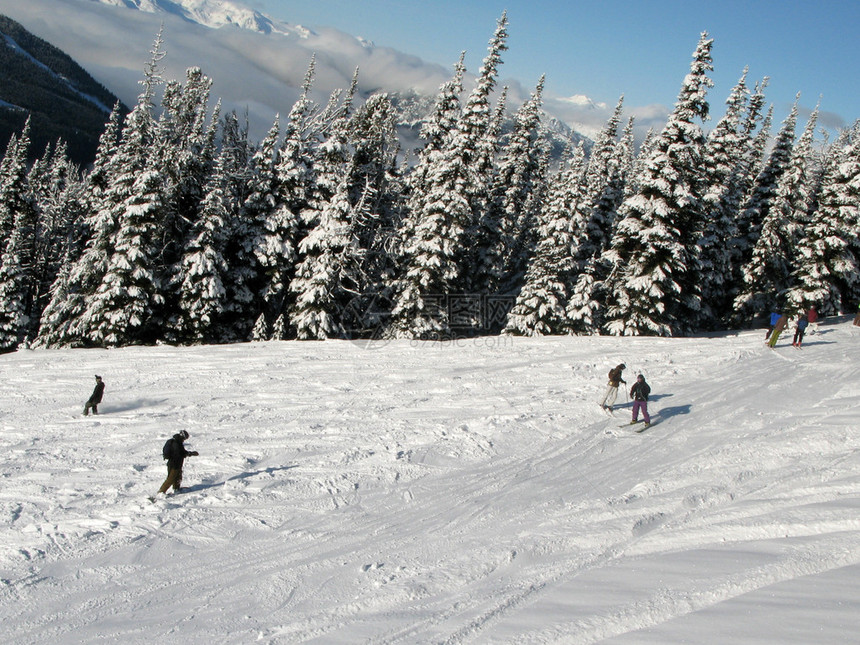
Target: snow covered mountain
[213,13]
[42,83]
[257,63]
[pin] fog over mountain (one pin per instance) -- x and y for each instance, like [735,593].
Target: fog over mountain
[257,63]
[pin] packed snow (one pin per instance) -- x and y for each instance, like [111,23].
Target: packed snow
[467,491]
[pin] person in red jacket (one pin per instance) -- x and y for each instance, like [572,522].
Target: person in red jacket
[812,317]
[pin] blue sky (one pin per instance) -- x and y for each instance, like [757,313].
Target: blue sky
[639,48]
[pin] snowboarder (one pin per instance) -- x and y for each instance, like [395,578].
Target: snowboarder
[639,393]
[612,389]
[802,323]
[175,453]
[774,318]
[95,398]
[777,330]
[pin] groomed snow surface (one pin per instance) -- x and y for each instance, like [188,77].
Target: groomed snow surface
[461,492]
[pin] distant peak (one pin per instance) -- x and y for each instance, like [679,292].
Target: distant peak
[582,100]
[214,14]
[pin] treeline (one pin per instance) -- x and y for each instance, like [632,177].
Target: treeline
[184,231]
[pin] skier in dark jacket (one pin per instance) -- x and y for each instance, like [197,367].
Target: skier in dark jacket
[95,398]
[612,389]
[639,393]
[175,453]
[802,324]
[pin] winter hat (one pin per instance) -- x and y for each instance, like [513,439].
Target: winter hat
[184,434]
[640,378]
[98,377]
[623,366]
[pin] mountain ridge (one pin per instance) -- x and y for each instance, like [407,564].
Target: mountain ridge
[62,101]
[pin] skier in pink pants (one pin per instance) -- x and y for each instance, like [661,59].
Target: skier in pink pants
[639,393]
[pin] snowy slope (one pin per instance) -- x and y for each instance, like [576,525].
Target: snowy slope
[469,492]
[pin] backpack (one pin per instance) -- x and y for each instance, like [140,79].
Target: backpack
[165,452]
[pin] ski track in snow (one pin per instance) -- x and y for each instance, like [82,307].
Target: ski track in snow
[464,492]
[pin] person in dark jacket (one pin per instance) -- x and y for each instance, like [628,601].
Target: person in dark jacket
[612,389]
[96,397]
[802,324]
[639,393]
[175,453]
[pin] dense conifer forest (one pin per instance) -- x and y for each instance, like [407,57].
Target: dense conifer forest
[185,231]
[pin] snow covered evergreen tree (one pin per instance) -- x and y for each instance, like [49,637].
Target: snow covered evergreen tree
[587,298]
[540,305]
[444,217]
[329,272]
[511,218]
[202,295]
[758,203]
[239,282]
[594,214]
[66,320]
[650,289]
[375,180]
[18,252]
[724,167]
[767,276]
[827,264]
[127,305]
[275,226]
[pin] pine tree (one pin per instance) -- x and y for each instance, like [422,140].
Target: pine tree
[126,306]
[587,298]
[184,150]
[18,251]
[539,307]
[240,281]
[455,192]
[275,226]
[329,271]
[59,196]
[758,203]
[202,295]
[519,187]
[375,180]
[827,265]
[724,167]
[650,288]
[69,319]
[767,276]
[13,182]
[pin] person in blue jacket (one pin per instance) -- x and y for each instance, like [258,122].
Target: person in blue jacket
[801,326]
[774,318]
